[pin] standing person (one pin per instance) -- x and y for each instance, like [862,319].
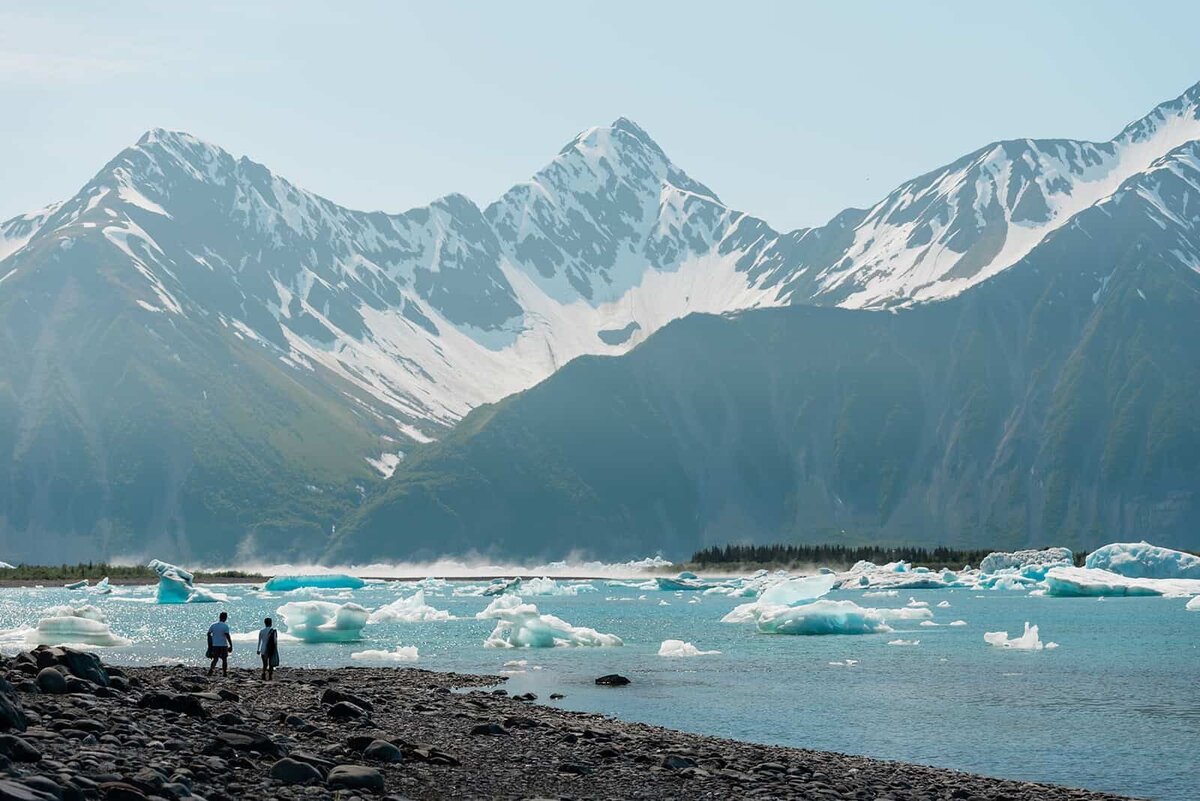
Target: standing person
[220,644]
[268,649]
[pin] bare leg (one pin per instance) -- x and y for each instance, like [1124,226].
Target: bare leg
[213,666]
[225,666]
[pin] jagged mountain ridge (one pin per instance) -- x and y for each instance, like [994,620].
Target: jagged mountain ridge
[1054,404]
[364,334]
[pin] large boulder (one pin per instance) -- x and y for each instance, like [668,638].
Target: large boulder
[51,681]
[12,714]
[182,703]
[355,777]
[332,697]
[293,771]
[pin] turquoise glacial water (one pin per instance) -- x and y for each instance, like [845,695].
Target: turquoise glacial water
[1116,707]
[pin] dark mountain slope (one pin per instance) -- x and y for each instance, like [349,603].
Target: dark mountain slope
[1053,404]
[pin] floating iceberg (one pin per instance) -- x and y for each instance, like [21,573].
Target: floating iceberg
[677,648]
[520,625]
[1042,560]
[683,581]
[83,625]
[323,621]
[175,586]
[895,575]
[1029,641]
[76,585]
[548,586]
[1193,605]
[1143,560]
[322,581]
[798,590]
[401,653]
[500,587]
[103,587]
[409,610]
[905,613]
[821,617]
[904,642]
[1083,582]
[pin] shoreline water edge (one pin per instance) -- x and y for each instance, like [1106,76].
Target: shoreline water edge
[76,728]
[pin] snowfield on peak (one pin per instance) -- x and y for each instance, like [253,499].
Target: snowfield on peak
[428,314]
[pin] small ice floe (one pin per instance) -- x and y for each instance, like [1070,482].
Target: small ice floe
[906,613]
[78,624]
[904,642]
[401,653]
[323,581]
[520,625]
[664,603]
[77,585]
[175,586]
[103,587]
[548,586]
[678,648]
[1194,604]
[409,610]
[1029,641]
[323,621]
[820,617]
[844,663]
[914,603]
[881,593]
[516,663]
[957,623]
[944,605]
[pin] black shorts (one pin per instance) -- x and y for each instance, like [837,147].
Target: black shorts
[220,652]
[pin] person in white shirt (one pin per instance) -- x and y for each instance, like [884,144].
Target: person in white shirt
[268,649]
[220,644]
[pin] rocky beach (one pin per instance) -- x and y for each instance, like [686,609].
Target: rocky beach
[75,728]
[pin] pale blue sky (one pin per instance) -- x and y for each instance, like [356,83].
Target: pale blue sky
[791,111]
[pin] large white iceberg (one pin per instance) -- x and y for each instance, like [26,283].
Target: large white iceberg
[1083,582]
[1193,605]
[520,625]
[401,653]
[548,586]
[323,621]
[679,648]
[323,581]
[1035,560]
[798,590]
[83,625]
[1029,641]
[1143,560]
[820,617]
[409,610]
[175,586]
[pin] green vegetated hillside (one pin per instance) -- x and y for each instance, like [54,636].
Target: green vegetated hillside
[133,433]
[1053,405]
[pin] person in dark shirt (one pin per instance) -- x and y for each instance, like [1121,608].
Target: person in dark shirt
[268,649]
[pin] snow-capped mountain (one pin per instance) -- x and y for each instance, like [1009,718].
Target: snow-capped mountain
[294,350]
[442,308]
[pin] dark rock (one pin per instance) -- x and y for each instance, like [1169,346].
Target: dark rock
[557,696]
[15,791]
[525,697]
[182,703]
[612,680]
[676,762]
[345,710]
[244,740]
[575,768]
[120,791]
[490,729]
[12,714]
[322,765]
[432,755]
[228,718]
[85,666]
[228,695]
[77,686]
[355,777]
[332,697]
[51,681]
[383,751]
[293,771]
[43,784]
[18,749]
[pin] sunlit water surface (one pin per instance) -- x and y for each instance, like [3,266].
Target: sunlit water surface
[1116,707]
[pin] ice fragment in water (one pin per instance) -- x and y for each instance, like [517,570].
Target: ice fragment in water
[676,648]
[401,653]
[323,621]
[1194,604]
[904,642]
[409,610]
[1143,560]
[1029,641]
[324,581]
[520,625]
[1038,560]
[175,586]
[821,617]
[83,625]
[76,585]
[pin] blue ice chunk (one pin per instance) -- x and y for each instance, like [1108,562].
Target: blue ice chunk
[324,581]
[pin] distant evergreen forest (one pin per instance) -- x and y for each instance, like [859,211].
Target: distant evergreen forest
[95,571]
[843,556]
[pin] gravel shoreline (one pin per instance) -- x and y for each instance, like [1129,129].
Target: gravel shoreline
[125,734]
